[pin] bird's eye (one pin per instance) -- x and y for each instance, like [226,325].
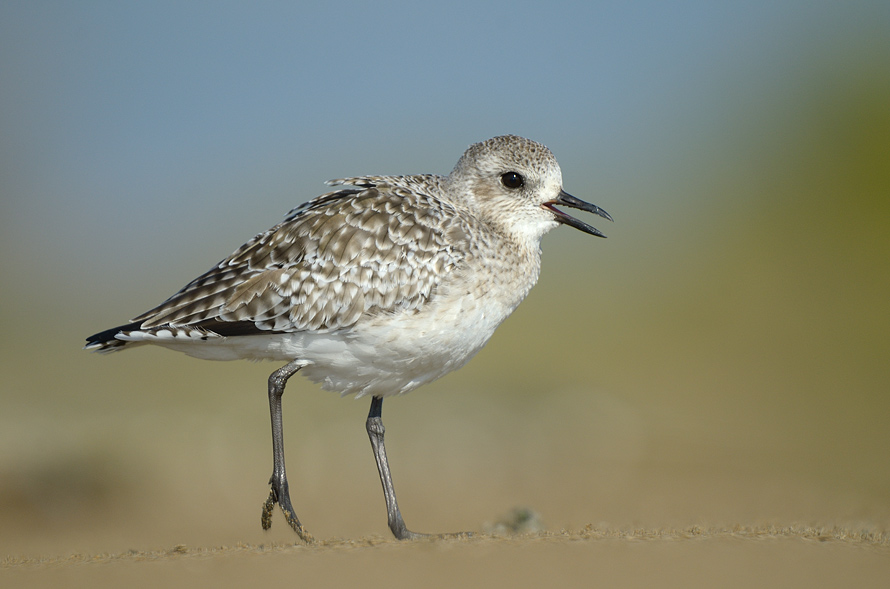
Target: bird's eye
[512,180]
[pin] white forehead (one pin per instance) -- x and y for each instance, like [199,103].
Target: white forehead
[509,153]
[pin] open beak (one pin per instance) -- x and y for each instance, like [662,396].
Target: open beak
[568,200]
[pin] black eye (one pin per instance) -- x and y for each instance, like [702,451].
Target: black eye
[512,180]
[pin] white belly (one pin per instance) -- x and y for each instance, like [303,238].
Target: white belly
[381,356]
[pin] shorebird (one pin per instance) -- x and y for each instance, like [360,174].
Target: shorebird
[374,289]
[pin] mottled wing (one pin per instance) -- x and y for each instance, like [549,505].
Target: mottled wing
[339,257]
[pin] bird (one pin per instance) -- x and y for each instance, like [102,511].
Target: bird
[374,289]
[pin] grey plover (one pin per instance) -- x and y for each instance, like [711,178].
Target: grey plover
[374,289]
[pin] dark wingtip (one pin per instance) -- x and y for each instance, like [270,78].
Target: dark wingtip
[103,338]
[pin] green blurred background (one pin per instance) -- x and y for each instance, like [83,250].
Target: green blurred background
[723,358]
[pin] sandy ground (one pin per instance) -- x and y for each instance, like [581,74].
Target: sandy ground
[740,557]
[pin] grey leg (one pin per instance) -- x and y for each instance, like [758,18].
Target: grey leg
[376,430]
[279,493]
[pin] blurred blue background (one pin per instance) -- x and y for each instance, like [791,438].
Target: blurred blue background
[722,357]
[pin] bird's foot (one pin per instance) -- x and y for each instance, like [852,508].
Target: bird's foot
[409,535]
[290,515]
[401,532]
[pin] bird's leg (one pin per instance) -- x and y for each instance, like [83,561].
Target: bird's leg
[375,428]
[279,493]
